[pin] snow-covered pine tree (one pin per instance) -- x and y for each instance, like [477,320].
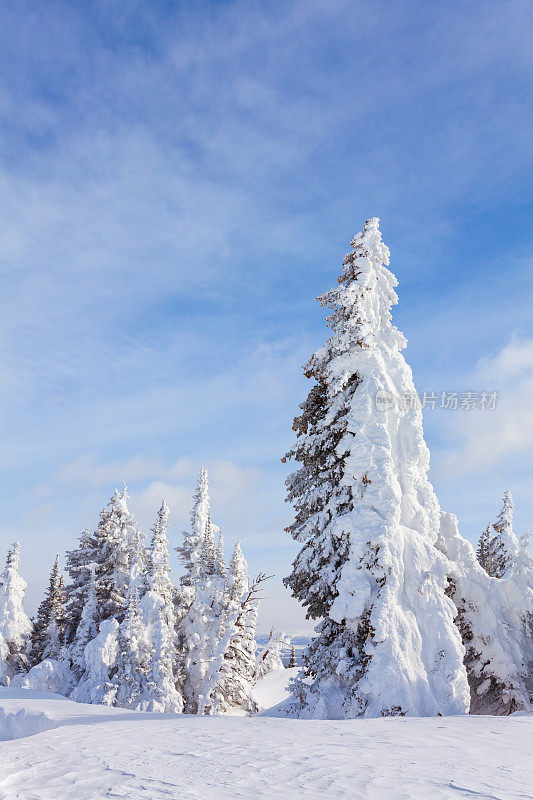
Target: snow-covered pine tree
[219,559]
[161,693]
[499,549]
[483,550]
[77,563]
[192,549]
[209,549]
[368,519]
[191,555]
[124,556]
[15,625]
[201,598]
[229,681]
[88,625]
[114,547]
[505,543]
[269,659]
[200,631]
[490,553]
[131,673]
[292,660]
[164,682]
[494,617]
[96,684]
[48,626]
[158,568]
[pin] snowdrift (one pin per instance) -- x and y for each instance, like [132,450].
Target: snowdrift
[75,751]
[272,689]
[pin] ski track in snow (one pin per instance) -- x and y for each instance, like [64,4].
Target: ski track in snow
[93,752]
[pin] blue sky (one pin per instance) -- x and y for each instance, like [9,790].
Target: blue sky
[180,180]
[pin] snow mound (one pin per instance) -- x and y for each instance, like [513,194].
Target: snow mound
[85,752]
[15,692]
[49,676]
[22,724]
[272,689]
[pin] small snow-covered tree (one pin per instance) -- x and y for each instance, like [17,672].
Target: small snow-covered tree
[209,556]
[292,660]
[201,629]
[367,518]
[164,682]
[220,566]
[114,548]
[490,553]
[15,625]
[131,672]
[270,657]
[506,544]
[158,590]
[203,599]
[158,559]
[88,625]
[50,675]
[499,549]
[48,627]
[228,686]
[77,563]
[161,693]
[494,618]
[54,639]
[97,684]
[483,550]
[191,551]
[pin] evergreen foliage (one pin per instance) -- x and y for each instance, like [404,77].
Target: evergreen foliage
[87,626]
[494,619]
[367,518]
[115,546]
[506,546]
[232,675]
[292,660]
[161,691]
[131,674]
[164,687]
[270,658]
[15,626]
[49,624]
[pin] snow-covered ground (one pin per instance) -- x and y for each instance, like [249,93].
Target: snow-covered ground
[272,689]
[54,749]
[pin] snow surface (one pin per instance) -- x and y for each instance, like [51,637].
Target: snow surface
[271,689]
[73,751]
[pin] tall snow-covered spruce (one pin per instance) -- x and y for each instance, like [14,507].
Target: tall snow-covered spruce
[368,518]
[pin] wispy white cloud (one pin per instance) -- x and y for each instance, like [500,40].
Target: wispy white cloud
[483,438]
